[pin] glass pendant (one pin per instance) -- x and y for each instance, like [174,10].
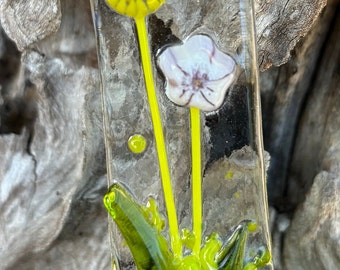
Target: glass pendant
[183,134]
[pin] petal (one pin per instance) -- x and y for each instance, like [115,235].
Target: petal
[203,101]
[212,96]
[222,65]
[194,53]
[208,57]
[177,94]
[170,68]
[219,88]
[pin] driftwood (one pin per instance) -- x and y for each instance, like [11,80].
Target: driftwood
[30,22]
[298,102]
[52,175]
[315,168]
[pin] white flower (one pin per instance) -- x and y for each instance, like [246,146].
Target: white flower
[197,73]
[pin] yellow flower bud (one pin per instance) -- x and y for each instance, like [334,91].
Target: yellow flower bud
[135,8]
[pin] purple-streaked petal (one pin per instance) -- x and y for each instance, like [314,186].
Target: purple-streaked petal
[220,86]
[168,64]
[177,94]
[222,65]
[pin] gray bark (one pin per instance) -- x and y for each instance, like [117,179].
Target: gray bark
[315,169]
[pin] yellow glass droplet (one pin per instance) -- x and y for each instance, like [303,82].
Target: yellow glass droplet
[252,226]
[137,144]
[229,175]
[236,195]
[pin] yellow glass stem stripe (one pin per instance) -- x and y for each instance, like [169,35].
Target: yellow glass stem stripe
[176,243]
[196,177]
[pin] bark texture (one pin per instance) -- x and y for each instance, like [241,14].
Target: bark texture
[318,146]
[27,22]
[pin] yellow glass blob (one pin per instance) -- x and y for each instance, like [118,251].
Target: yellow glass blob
[252,226]
[137,144]
[229,175]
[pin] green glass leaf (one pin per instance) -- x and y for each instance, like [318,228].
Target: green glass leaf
[149,248]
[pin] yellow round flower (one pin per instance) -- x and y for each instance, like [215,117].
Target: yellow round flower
[135,8]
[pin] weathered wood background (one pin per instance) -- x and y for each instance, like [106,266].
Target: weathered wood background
[52,165]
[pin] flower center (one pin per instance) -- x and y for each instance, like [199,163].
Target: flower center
[197,83]
[198,80]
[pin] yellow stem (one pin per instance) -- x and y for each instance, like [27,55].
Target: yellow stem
[196,177]
[176,244]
